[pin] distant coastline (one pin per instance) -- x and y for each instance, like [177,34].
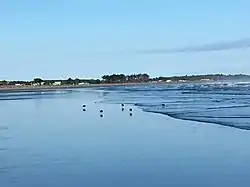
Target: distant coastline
[39,84]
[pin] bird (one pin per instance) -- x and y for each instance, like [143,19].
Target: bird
[122,109]
[84,106]
[130,109]
[130,114]
[122,104]
[163,105]
[101,111]
[84,110]
[101,115]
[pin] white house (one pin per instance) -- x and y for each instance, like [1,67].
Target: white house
[83,83]
[57,83]
[35,84]
[182,81]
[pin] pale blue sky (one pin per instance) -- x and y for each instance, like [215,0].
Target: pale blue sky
[60,39]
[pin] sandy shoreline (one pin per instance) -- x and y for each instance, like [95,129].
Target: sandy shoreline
[10,89]
[54,88]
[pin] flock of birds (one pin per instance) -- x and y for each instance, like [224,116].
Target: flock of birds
[102,111]
[122,105]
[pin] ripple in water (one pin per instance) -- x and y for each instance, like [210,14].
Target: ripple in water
[3,128]
[7,168]
[226,104]
[34,95]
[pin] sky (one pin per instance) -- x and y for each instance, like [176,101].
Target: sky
[87,39]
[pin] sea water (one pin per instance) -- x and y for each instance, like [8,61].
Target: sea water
[222,103]
[47,139]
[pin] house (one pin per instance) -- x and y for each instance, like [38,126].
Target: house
[83,83]
[153,82]
[182,81]
[35,84]
[57,83]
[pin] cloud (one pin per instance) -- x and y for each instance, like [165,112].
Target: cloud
[219,46]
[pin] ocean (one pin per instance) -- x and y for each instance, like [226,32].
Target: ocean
[176,135]
[224,103]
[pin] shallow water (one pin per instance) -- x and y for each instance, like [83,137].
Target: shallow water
[223,103]
[50,141]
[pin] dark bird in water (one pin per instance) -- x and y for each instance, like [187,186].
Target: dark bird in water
[131,114]
[84,110]
[101,111]
[130,109]
[101,115]
[83,105]
[163,105]
[122,104]
[122,109]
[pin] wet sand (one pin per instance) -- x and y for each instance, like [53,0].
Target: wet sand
[10,89]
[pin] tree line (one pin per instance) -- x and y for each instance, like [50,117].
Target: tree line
[68,81]
[114,78]
[121,78]
[40,81]
[134,78]
[211,77]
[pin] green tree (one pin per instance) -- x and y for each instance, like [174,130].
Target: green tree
[121,78]
[70,81]
[4,82]
[77,81]
[38,80]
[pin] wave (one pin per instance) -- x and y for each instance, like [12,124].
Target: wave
[204,120]
[226,104]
